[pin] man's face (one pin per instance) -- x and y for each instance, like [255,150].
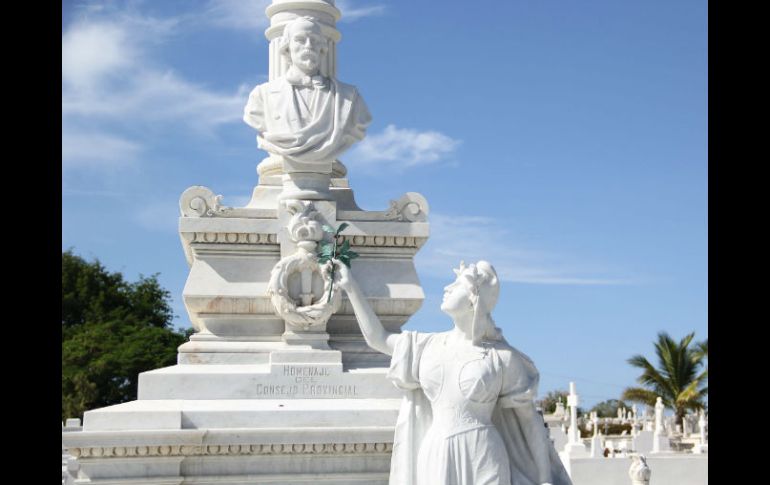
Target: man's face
[305,44]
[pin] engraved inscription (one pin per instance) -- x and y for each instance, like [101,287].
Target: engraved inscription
[307,390]
[305,371]
[306,381]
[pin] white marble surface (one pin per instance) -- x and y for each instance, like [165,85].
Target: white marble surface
[237,441]
[673,469]
[288,381]
[155,415]
[468,414]
[305,117]
[231,258]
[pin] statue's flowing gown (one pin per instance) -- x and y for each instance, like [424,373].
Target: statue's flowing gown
[452,427]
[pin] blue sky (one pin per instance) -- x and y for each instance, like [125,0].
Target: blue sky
[565,142]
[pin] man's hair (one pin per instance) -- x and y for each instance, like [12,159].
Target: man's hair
[285,37]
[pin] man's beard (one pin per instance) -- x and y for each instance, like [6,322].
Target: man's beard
[308,64]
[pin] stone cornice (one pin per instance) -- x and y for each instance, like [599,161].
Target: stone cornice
[232,450]
[232,238]
[272,239]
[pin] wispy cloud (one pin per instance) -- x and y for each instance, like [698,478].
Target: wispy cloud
[237,14]
[149,95]
[97,151]
[249,15]
[471,238]
[402,148]
[91,53]
[351,12]
[112,80]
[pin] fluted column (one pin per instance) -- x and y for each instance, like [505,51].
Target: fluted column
[280,12]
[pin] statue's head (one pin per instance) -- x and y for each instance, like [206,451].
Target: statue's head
[303,44]
[475,291]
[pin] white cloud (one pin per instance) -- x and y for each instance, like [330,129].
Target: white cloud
[237,14]
[250,14]
[92,52]
[402,147]
[351,13]
[153,96]
[471,238]
[111,81]
[97,150]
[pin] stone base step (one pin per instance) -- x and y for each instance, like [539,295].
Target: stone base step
[288,381]
[284,415]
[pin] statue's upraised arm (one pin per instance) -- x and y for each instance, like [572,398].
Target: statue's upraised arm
[374,332]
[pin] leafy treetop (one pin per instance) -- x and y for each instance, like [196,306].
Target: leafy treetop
[111,331]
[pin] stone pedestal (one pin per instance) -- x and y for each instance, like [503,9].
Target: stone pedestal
[306,181]
[232,252]
[576,450]
[660,443]
[700,449]
[277,384]
[596,446]
[254,399]
[643,442]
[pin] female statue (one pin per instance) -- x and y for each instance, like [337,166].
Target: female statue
[468,415]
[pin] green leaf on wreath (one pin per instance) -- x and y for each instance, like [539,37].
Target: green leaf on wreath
[341,228]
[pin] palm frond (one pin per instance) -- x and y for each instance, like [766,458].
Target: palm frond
[690,394]
[677,378]
[637,394]
[650,376]
[701,351]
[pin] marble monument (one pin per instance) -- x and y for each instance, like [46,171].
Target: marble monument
[287,381]
[277,384]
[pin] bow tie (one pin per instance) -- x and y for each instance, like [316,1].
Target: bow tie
[308,81]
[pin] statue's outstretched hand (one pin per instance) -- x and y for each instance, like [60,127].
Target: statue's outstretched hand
[342,277]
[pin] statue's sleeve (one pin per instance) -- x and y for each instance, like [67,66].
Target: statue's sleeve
[405,361]
[361,118]
[520,379]
[254,112]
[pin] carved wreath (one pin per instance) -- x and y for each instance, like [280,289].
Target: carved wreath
[315,314]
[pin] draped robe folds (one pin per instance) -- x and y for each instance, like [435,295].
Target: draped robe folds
[307,127]
[513,417]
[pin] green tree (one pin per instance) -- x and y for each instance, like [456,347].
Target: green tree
[702,350]
[679,379]
[608,408]
[111,331]
[548,403]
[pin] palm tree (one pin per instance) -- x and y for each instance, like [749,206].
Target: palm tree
[678,379]
[702,349]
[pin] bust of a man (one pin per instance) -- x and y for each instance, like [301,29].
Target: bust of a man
[303,116]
